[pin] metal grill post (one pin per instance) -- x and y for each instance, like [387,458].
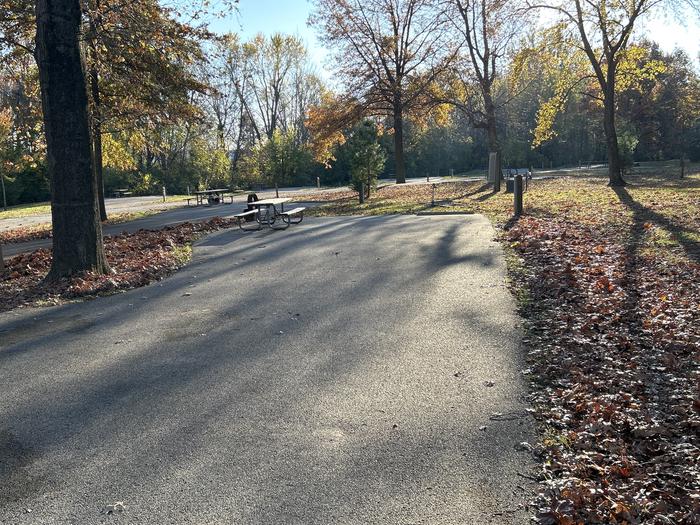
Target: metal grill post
[518,195]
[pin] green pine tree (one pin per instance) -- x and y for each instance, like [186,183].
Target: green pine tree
[367,157]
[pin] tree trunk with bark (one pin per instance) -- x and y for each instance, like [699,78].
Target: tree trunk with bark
[398,141]
[97,142]
[99,169]
[614,160]
[77,232]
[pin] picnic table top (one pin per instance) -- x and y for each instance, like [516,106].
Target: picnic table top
[204,192]
[270,202]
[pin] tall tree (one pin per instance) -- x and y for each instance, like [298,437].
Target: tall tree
[605,29]
[388,53]
[77,232]
[139,59]
[366,156]
[489,29]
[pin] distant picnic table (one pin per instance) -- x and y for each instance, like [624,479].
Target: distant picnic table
[214,196]
[122,192]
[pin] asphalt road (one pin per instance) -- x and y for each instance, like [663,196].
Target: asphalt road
[344,371]
[158,221]
[152,202]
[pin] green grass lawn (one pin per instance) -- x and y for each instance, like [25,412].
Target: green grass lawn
[42,208]
[25,210]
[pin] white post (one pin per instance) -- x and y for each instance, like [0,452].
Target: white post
[318,183]
[493,167]
[164,195]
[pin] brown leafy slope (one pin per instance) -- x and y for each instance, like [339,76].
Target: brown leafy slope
[614,353]
[137,259]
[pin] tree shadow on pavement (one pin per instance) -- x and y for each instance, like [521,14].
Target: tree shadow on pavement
[118,401]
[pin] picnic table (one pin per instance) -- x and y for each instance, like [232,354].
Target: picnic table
[509,175]
[122,192]
[267,209]
[212,196]
[265,212]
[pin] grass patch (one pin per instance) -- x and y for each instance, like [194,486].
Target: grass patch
[182,254]
[25,210]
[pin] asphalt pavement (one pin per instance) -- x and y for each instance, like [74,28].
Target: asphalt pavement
[152,202]
[351,370]
[171,217]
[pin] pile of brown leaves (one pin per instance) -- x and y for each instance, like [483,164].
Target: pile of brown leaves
[136,259]
[614,339]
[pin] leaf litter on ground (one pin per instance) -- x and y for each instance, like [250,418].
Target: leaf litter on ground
[137,259]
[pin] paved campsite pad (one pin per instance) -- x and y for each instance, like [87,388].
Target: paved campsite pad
[340,371]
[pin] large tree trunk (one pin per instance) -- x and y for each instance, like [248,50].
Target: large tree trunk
[398,141]
[614,161]
[77,232]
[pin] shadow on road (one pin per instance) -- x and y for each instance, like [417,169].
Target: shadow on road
[142,381]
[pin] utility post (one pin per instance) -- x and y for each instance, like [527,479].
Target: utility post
[494,176]
[518,195]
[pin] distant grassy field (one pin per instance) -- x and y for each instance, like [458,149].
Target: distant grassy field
[42,208]
[25,210]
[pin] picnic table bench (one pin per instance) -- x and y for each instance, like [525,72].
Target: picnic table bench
[510,173]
